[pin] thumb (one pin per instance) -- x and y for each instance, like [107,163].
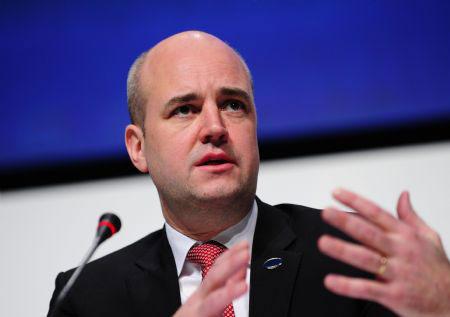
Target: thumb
[406,212]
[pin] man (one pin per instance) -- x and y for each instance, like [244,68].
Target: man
[194,131]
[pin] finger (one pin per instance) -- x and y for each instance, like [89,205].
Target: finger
[215,303]
[409,216]
[236,259]
[353,254]
[243,245]
[239,275]
[407,213]
[356,287]
[367,209]
[359,229]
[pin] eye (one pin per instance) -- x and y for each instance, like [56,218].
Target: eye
[183,111]
[234,106]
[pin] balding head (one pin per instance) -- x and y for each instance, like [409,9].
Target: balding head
[156,60]
[193,97]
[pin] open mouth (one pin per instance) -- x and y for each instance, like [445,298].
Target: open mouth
[214,162]
[217,162]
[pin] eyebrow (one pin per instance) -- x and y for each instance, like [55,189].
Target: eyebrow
[181,99]
[226,91]
[236,92]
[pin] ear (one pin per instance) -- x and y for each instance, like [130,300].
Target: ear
[134,140]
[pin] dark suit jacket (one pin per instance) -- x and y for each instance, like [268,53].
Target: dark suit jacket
[141,279]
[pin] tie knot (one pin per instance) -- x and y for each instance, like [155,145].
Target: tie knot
[205,254]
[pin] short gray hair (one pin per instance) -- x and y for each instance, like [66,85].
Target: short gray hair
[135,98]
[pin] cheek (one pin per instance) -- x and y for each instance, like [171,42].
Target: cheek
[168,150]
[246,133]
[245,142]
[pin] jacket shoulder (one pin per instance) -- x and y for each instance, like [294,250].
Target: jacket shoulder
[104,278]
[111,266]
[125,255]
[307,222]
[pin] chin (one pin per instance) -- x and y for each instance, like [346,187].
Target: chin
[213,195]
[226,193]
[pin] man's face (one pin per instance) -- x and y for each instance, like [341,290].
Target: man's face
[200,125]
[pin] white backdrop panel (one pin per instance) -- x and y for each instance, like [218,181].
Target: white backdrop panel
[47,230]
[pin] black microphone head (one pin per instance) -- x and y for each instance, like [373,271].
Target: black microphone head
[108,225]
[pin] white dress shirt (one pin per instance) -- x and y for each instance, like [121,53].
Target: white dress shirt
[190,275]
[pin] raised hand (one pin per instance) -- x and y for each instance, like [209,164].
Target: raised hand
[406,255]
[224,282]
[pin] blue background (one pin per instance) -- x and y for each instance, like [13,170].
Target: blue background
[319,67]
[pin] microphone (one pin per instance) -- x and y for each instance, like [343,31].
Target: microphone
[108,225]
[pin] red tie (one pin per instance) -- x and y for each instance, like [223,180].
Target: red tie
[205,255]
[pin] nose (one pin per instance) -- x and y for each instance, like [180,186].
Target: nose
[213,129]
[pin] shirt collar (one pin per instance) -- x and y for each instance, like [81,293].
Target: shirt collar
[243,230]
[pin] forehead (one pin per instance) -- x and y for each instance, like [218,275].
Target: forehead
[192,67]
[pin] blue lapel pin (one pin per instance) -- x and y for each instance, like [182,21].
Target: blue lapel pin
[272,263]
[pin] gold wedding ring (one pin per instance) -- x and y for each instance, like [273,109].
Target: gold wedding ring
[383,265]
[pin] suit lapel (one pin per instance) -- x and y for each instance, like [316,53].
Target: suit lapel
[271,289]
[153,284]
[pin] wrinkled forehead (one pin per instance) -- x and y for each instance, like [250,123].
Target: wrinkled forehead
[192,66]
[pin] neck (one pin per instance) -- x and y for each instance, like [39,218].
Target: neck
[204,220]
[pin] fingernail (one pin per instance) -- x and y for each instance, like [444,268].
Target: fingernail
[330,281]
[407,196]
[328,213]
[242,244]
[323,241]
[408,199]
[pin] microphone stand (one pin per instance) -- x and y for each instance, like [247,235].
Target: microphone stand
[103,233]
